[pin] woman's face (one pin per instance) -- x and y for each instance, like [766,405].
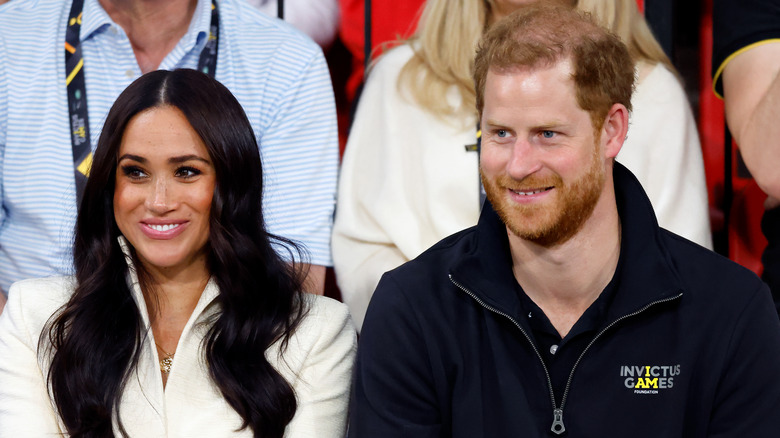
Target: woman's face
[164,185]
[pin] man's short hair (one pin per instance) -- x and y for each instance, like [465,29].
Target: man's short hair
[540,36]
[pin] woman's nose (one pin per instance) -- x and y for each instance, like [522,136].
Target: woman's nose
[159,199]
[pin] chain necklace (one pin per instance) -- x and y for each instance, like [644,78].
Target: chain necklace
[165,362]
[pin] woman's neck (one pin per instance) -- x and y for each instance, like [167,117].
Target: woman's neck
[175,290]
[154,27]
[171,303]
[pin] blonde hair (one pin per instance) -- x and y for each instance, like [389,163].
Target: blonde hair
[444,45]
[623,18]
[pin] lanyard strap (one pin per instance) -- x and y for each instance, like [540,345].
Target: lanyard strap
[77,99]
[77,91]
[208,56]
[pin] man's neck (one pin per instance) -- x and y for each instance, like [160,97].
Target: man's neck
[566,279]
[154,27]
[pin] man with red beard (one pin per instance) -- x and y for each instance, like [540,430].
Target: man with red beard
[566,310]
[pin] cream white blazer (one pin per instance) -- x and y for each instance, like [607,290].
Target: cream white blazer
[317,362]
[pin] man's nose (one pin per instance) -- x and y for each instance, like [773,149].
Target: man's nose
[524,160]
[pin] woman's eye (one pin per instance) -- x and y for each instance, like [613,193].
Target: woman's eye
[187,172]
[548,134]
[133,172]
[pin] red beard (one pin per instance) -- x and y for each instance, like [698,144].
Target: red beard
[556,221]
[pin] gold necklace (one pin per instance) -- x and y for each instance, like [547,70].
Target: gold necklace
[167,361]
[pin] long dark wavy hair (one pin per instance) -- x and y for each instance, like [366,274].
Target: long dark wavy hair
[96,337]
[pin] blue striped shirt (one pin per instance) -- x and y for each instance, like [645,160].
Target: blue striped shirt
[279,76]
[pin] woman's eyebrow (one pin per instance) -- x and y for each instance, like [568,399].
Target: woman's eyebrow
[138,158]
[183,158]
[172,160]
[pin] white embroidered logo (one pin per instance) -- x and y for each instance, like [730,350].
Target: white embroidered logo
[649,379]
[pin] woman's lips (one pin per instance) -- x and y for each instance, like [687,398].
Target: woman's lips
[163,230]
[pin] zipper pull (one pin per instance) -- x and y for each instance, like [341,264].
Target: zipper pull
[557,426]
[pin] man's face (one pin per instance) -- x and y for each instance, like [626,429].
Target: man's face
[542,163]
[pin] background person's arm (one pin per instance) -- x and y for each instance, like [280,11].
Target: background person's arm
[751,89]
[299,148]
[315,280]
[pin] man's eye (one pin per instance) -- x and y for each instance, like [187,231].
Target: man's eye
[502,133]
[548,134]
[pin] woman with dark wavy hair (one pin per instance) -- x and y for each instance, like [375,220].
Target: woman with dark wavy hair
[181,320]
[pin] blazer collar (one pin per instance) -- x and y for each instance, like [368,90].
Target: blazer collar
[210,293]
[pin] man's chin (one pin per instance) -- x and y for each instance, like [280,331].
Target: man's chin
[546,235]
[547,238]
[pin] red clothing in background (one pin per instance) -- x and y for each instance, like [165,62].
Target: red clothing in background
[391,20]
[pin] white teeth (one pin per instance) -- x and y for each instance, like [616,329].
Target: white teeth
[163,227]
[528,193]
